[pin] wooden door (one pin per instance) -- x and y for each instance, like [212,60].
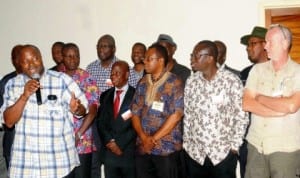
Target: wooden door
[289,17]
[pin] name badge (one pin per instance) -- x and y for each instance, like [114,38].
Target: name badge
[126,115]
[218,99]
[159,106]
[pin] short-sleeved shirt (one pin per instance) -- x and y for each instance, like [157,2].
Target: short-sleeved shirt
[44,143]
[88,85]
[153,103]
[275,134]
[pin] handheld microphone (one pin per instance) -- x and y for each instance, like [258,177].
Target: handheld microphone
[38,91]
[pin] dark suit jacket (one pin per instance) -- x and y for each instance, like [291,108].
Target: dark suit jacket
[119,129]
[244,74]
[236,72]
[9,133]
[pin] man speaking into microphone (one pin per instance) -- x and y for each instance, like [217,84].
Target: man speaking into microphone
[40,103]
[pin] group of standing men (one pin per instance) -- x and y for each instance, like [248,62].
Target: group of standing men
[157,119]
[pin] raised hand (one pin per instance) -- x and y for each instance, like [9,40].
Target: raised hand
[75,104]
[30,87]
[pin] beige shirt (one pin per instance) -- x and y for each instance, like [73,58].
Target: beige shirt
[274,134]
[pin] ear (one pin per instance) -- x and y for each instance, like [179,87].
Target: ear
[211,60]
[285,44]
[114,50]
[173,49]
[127,75]
[161,60]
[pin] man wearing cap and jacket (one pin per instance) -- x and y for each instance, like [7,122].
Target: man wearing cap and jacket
[254,43]
[180,70]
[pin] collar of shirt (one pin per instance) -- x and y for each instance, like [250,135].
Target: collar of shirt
[114,59]
[122,95]
[219,73]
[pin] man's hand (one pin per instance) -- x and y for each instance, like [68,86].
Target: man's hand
[75,105]
[114,148]
[30,87]
[148,143]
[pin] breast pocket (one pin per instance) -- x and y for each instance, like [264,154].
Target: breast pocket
[53,121]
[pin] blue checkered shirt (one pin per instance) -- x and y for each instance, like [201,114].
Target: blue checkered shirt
[44,144]
[102,74]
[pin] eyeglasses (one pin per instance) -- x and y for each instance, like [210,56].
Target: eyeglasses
[198,56]
[149,59]
[103,46]
[253,43]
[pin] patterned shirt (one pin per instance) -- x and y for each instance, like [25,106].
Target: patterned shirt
[102,74]
[168,93]
[214,122]
[88,85]
[44,144]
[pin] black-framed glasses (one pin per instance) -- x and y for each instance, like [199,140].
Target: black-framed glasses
[198,56]
[253,43]
[149,59]
[103,46]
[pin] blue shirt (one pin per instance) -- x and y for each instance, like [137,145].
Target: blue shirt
[167,93]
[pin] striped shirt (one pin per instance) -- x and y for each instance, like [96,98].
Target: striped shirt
[44,144]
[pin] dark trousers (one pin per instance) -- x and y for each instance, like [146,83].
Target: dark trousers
[225,169]
[96,164]
[243,158]
[152,166]
[84,170]
[112,171]
[97,158]
[8,139]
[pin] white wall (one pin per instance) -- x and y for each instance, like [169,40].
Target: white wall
[43,22]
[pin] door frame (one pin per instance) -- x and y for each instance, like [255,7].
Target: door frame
[274,4]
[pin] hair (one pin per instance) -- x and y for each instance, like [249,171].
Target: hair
[140,44]
[222,45]
[109,38]
[71,46]
[286,33]
[35,49]
[58,43]
[16,51]
[211,47]
[123,64]
[161,52]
